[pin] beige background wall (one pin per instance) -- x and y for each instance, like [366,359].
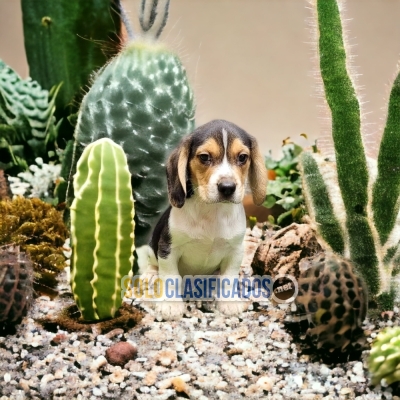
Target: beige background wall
[249,60]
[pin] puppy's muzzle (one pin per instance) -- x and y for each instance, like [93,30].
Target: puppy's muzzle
[226,188]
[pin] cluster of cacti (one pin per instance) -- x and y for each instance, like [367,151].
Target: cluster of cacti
[27,123]
[38,229]
[384,358]
[141,100]
[354,207]
[102,229]
[16,291]
[333,299]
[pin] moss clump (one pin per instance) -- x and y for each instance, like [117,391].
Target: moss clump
[38,228]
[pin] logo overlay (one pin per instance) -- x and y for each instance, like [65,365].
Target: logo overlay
[282,288]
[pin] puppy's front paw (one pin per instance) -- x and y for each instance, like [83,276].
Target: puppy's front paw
[170,310]
[232,308]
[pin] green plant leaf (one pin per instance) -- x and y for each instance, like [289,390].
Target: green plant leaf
[270,201]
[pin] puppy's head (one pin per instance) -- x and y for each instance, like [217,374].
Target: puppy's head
[216,161]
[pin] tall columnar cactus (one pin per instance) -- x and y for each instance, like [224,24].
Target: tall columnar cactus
[384,359]
[101,229]
[141,100]
[65,42]
[355,207]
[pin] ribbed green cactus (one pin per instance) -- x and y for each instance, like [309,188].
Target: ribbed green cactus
[354,212]
[384,359]
[141,100]
[27,123]
[101,229]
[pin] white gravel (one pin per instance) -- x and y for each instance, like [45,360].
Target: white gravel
[203,356]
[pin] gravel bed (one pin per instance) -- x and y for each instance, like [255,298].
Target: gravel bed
[203,356]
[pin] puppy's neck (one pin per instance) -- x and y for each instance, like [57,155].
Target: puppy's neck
[196,208]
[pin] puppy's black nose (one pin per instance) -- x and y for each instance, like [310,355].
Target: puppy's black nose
[226,188]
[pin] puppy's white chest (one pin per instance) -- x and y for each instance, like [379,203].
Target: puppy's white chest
[204,235]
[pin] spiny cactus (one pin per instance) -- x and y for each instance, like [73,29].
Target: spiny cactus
[16,289]
[384,359]
[354,210]
[141,100]
[333,298]
[27,123]
[101,229]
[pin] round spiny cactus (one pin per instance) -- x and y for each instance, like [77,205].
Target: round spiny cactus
[384,359]
[16,289]
[333,298]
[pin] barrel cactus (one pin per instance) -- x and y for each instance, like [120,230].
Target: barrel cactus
[333,298]
[16,290]
[101,229]
[384,359]
[142,101]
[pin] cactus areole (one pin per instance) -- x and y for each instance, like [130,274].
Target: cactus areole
[101,229]
[143,102]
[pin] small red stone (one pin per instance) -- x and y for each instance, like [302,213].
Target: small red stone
[120,353]
[57,339]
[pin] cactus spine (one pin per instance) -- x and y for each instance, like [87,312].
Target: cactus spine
[101,229]
[384,359]
[358,219]
[142,101]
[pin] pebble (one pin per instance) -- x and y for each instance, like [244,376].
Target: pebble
[120,353]
[97,392]
[97,363]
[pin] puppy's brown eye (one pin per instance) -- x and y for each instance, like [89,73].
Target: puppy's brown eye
[205,158]
[242,158]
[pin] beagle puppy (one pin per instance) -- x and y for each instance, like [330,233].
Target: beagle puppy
[203,229]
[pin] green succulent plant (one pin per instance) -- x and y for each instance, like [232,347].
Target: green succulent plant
[28,127]
[384,358]
[285,189]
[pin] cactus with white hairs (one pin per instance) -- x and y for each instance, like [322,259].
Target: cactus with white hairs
[354,202]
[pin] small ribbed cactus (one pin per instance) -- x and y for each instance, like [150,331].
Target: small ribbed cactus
[384,359]
[141,100]
[16,288]
[27,122]
[102,229]
[353,201]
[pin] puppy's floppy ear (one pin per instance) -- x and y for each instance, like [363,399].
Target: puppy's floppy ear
[176,173]
[257,174]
